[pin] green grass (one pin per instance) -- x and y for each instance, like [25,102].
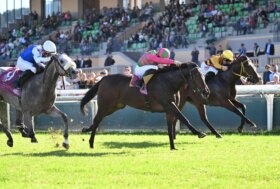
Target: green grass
[141,161]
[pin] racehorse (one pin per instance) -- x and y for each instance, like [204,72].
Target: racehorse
[223,92]
[113,93]
[38,96]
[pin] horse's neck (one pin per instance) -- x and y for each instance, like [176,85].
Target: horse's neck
[177,79]
[51,77]
[229,76]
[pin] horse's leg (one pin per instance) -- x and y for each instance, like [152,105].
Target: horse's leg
[103,110]
[27,117]
[174,128]
[55,112]
[230,106]
[19,123]
[97,119]
[203,116]
[243,108]
[173,109]
[10,141]
[171,129]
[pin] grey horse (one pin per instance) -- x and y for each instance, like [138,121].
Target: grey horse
[38,96]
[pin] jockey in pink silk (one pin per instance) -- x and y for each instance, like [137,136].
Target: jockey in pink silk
[148,61]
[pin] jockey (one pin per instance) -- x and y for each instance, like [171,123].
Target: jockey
[210,67]
[148,61]
[30,61]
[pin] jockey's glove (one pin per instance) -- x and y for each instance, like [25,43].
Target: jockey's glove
[177,62]
[224,68]
[48,59]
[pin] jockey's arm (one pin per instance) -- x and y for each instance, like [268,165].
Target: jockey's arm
[38,57]
[215,61]
[155,58]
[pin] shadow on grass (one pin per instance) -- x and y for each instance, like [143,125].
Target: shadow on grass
[133,144]
[63,153]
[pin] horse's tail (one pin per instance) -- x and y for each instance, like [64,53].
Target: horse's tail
[88,96]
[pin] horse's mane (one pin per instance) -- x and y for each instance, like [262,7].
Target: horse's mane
[174,67]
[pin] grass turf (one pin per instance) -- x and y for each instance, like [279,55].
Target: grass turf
[141,161]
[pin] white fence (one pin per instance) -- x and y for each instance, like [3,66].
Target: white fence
[267,90]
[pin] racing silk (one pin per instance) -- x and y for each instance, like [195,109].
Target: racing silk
[215,61]
[33,54]
[151,58]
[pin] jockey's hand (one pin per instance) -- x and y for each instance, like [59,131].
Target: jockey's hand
[177,62]
[224,68]
[39,69]
[48,59]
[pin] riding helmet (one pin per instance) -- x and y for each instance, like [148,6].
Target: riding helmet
[164,53]
[227,54]
[49,46]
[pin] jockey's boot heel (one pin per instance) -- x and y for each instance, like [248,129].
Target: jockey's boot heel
[133,81]
[143,90]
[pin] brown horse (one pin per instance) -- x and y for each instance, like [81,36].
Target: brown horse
[114,93]
[223,92]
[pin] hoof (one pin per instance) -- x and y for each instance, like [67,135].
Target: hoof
[10,143]
[173,149]
[219,136]
[254,125]
[240,130]
[24,133]
[85,130]
[66,146]
[201,135]
[34,140]
[91,144]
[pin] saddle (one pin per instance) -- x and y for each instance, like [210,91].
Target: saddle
[9,80]
[149,74]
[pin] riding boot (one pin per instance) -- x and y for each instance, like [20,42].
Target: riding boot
[25,76]
[133,81]
[143,90]
[209,76]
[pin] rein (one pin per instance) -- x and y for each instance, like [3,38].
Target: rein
[242,71]
[56,68]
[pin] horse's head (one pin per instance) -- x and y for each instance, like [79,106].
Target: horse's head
[243,66]
[65,66]
[196,81]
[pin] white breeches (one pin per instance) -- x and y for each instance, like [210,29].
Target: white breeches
[24,65]
[139,71]
[205,69]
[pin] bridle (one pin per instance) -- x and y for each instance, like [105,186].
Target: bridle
[243,71]
[58,67]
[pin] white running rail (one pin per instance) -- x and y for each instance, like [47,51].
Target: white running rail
[267,90]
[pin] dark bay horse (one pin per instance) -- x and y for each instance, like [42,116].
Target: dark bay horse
[223,92]
[113,93]
[38,96]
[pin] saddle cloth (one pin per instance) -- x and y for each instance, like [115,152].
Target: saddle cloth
[9,79]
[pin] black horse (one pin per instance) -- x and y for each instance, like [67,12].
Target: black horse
[114,93]
[223,92]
